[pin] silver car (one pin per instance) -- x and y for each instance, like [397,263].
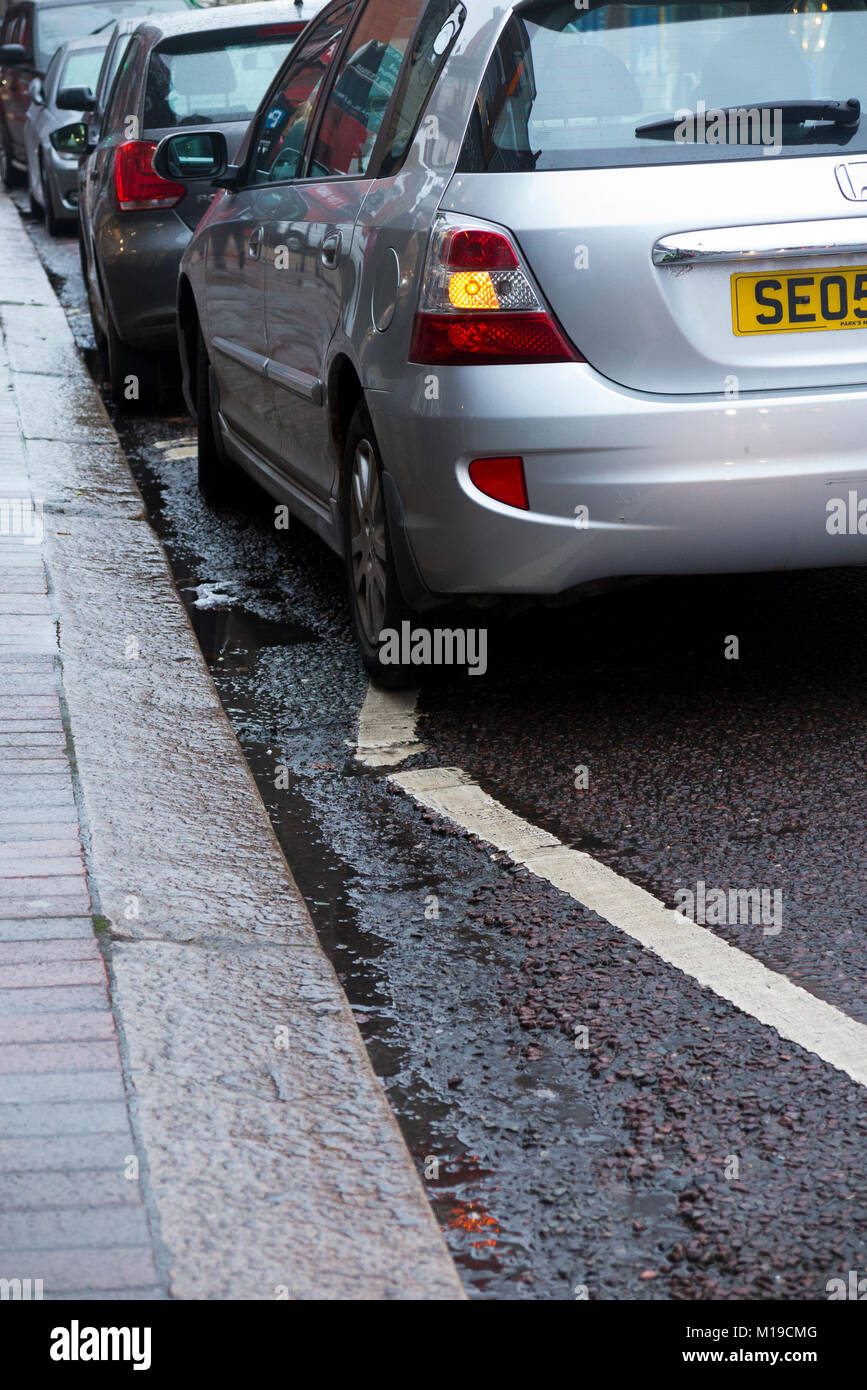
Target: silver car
[512,300]
[52,175]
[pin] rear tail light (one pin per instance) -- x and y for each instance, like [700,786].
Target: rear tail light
[501,478]
[136,183]
[479,306]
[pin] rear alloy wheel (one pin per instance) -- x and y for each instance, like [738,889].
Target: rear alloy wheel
[134,375]
[220,478]
[375,599]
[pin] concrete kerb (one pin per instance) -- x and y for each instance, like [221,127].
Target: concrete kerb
[276,1166]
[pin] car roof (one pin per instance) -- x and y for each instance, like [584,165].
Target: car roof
[57,4]
[181,22]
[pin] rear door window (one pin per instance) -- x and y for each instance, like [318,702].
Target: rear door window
[571,88]
[367,76]
[439,27]
[122,104]
[278,143]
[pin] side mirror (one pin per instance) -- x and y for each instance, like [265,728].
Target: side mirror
[12,55]
[70,139]
[75,99]
[36,93]
[198,154]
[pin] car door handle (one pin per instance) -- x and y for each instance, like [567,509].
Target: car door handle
[330,252]
[254,245]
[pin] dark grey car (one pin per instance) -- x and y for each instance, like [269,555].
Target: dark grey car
[190,68]
[52,176]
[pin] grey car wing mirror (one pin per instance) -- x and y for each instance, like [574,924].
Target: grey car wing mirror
[12,55]
[36,94]
[194,154]
[75,99]
[70,139]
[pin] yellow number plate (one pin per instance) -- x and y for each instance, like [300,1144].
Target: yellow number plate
[796,301]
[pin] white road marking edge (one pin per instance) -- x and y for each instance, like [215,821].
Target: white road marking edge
[386,727]
[732,974]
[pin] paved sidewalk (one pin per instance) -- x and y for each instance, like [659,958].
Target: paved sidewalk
[187,1109]
[72,1212]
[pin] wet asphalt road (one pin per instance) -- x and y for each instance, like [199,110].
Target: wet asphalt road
[557,1170]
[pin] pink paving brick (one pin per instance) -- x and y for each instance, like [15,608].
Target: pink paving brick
[53,999]
[57,849]
[48,887]
[59,1056]
[16,909]
[82,1027]
[26,707]
[39,866]
[61,1270]
[25,603]
[11,766]
[45,975]
[76,948]
[44,745]
[31,726]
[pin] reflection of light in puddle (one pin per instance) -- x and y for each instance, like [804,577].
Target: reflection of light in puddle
[466,1216]
[211,596]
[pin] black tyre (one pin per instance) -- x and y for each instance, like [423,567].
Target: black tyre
[220,478]
[10,177]
[53,224]
[134,375]
[98,331]
[375,600]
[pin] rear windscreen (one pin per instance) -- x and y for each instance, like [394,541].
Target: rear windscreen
[220,77]
[574,86]
[57,23]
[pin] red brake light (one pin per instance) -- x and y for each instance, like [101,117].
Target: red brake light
[295,27]
[474,249]
[501,478]
[136,183]
[487,338]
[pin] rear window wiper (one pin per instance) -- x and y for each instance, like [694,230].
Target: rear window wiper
[837,113]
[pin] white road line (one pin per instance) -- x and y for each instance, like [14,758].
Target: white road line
[174,443]
[386,727]
[729,972]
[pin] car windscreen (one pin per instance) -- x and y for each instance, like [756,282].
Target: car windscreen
[220,76]
[81,68]
[574,86]
[55,24]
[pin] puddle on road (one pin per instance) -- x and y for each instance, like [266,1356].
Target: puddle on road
[228,634]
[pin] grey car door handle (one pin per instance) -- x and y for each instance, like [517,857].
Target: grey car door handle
[330,253]
[254,245]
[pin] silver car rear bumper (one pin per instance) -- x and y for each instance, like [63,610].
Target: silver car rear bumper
[671,484]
